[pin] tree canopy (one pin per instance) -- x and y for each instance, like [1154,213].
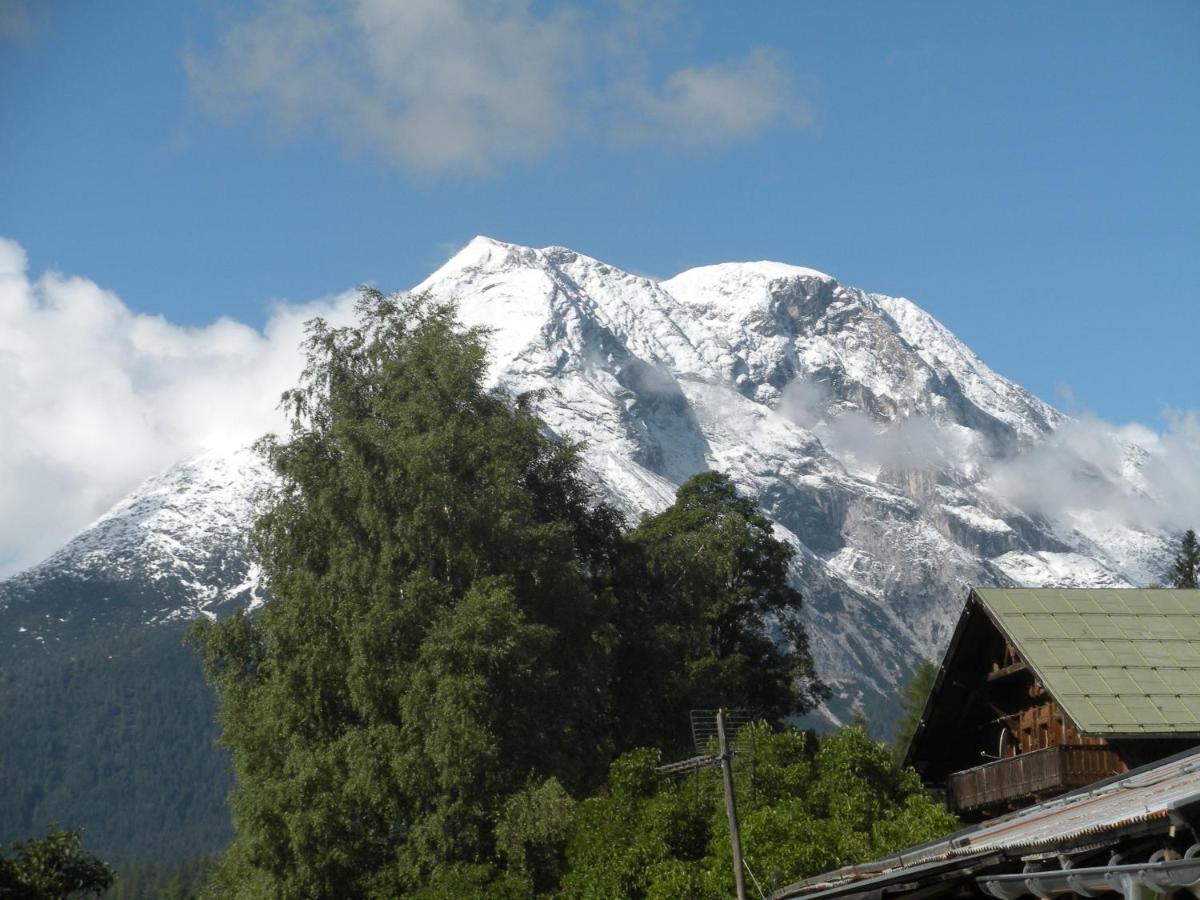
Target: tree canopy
[807,805]
[434,640]
[461,635]
[709,617]
[53,868]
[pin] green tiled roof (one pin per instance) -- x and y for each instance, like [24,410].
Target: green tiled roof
[1118,661]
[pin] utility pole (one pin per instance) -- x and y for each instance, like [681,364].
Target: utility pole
[735,837]
[706,726]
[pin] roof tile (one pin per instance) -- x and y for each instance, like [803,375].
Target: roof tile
[1119,661]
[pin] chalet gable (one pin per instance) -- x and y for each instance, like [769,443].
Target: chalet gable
[1093,680]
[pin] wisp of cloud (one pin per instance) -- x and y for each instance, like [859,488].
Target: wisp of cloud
[1117,476]
[462,86]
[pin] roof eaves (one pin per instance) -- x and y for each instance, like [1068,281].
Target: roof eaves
[1136,732]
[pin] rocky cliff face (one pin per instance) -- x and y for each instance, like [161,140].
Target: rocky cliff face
[877,442]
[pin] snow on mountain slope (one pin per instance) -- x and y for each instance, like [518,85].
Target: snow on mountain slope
[180,538]
[954,362]
[868,433]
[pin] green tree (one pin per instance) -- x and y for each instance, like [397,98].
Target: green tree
[439,633]
[708,617]
[1185,571]
[912,705]
[53,868]
[532,833]
[807,805]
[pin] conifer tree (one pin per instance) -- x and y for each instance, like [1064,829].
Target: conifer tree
[1185,571]
[913,697]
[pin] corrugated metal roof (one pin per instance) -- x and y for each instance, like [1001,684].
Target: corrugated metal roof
[1081,817]
[1119,661]
[1137,797]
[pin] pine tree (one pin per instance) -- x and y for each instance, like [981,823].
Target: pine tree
[1185,571]
[435,642]
[913,697]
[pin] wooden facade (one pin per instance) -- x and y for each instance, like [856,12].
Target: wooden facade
[1032,720]
[996,739]
[1025,777]
[1037,751]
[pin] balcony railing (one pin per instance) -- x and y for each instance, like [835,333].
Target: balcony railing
[1030,776]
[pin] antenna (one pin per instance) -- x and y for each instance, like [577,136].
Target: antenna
[704,727]
[723,725]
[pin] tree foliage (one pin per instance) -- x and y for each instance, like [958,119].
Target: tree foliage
[913,696]
[1185,570]
[434,640]
[461,637]
[53,868]
[709,617]
[807,805]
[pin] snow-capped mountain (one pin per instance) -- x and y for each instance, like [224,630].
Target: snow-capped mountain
[174,549]
[881,447]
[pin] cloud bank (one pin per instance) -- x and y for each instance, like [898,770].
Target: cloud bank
[1127,476]
[916,443]
[465,86]
[97,397]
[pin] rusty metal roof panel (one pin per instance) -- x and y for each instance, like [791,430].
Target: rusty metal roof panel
[1082,817]
[1139,797]
[1119,661]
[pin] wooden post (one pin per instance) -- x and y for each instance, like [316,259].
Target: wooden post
[735,837]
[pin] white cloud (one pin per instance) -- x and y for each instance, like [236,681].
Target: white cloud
[98,397]
[430,84]
[714,104]
[1114,476]
[467,85]
[913,443]
[1127,476]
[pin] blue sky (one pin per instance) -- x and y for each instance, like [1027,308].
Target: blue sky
[1027,172]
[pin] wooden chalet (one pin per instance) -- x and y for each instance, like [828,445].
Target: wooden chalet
[1042,691]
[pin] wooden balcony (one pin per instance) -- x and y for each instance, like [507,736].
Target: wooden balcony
[1021,779]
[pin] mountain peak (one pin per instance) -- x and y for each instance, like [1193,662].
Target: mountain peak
[862,426]
[746,273]
[481,252]
[745,286]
